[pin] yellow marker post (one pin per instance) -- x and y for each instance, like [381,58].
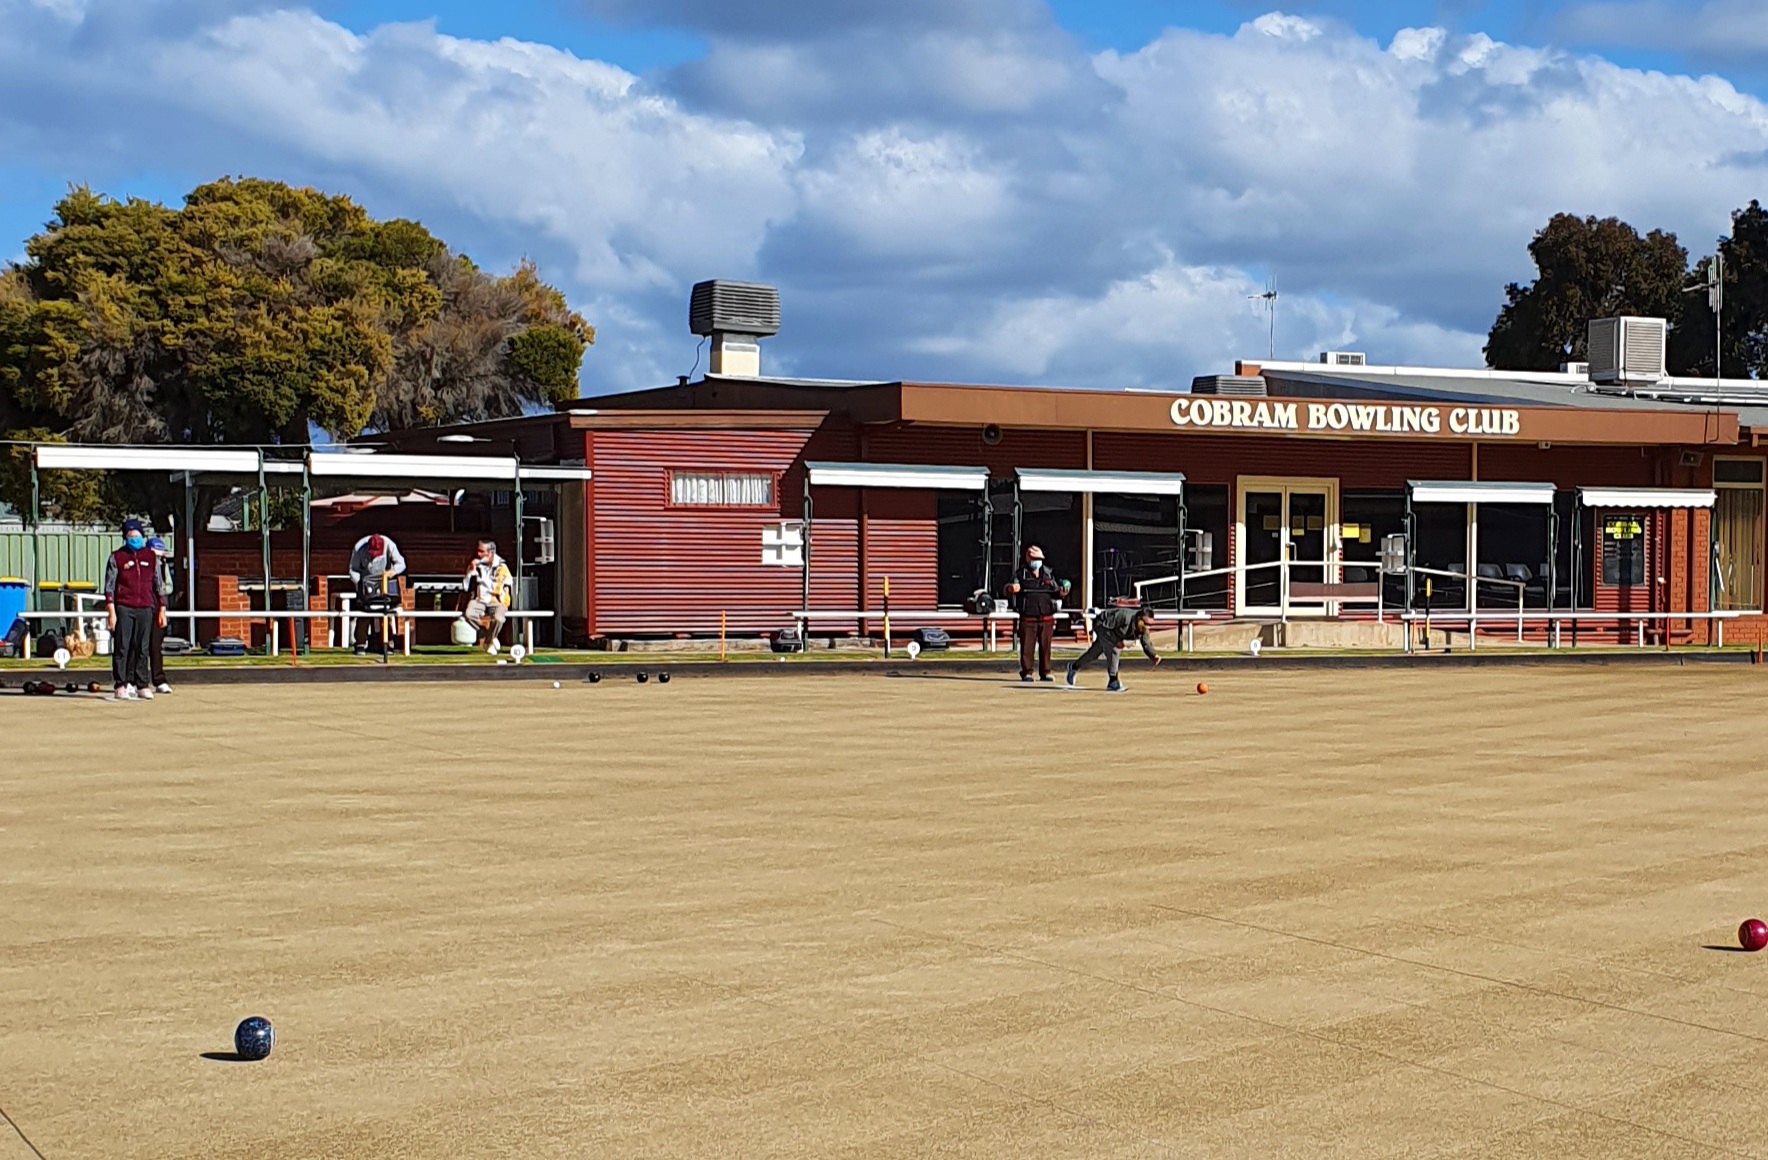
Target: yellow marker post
[886,618]
[1427,612]
[721,634]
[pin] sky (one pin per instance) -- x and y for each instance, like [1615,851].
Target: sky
[1089,193]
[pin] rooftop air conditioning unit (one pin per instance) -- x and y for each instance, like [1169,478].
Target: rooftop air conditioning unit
[1343,358]
[1627,350]
[1228,385]
[735,316]
[1571,368]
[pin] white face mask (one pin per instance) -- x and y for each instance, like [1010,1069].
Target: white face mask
[1037,565]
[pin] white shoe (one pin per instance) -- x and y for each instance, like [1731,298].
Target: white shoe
[162,687]
[127,693]
[146,693]
[492,648]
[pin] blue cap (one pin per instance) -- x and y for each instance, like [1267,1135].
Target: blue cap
[159,546]
[132,525]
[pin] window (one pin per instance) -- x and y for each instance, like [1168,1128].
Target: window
[1738,471]
[748,489]
[1623,549]
[1737,533]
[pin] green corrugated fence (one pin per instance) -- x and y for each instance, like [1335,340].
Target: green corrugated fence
[62,556]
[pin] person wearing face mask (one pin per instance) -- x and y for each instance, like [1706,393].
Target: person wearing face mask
[1035,590]
[135,605]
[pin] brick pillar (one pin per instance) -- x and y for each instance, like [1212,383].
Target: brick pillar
[323,632]
[228,598]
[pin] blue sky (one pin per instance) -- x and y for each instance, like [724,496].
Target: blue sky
[983,190]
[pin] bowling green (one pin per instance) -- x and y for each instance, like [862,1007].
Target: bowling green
[1457,913]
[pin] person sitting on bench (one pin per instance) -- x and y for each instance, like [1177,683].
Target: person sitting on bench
[487,585]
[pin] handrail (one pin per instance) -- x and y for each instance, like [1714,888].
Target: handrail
[1553,617]
[274,620]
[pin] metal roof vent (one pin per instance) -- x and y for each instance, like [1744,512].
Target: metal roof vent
[1627,350]
[1228,385]
[1344,358]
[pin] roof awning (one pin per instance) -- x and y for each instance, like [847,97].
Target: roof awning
[907,475]
[566,474]
[88,457]
[349,465]
[1647,497]
[1449,491]
[1114,482]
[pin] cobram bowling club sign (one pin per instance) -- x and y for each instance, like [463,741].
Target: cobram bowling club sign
[1309,417]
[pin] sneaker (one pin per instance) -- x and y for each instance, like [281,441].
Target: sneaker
[360,650]
[145,693]
[1068,676]
[1047,679]
[492,648]
[123,693]
[162,688]
[1114,687]
[1025,677]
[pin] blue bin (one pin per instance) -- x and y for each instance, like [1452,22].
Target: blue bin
[14,594]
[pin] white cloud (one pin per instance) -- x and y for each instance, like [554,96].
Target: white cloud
[978,199]
[1720,29]
[885,193]
[1279,26]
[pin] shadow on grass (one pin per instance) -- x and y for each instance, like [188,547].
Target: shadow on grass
[1727,950]
[227,1057]
[977,679]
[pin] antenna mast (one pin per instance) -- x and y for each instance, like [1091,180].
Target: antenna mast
[1269,298]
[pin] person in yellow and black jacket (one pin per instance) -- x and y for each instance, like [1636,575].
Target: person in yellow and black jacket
[1112,629]
[488,584]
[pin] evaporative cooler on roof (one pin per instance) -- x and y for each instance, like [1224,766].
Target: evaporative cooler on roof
[735,316]
[1627,350]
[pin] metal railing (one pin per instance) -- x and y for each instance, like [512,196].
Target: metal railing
[1555,617]
[274,621]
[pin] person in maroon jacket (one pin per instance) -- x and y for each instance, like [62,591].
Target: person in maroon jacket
[135,605]
[1035,590]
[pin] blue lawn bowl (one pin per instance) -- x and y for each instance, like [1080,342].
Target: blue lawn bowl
[254,1038]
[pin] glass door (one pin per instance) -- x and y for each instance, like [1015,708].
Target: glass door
[1286,546]
[1309,551]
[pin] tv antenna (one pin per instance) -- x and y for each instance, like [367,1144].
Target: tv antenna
[1715,288]
[1269,298]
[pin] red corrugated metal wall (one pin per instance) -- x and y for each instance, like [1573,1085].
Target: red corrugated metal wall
[658,569]
[1569,467]
[963,446]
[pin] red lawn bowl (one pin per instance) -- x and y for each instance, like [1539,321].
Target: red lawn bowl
[1753,934]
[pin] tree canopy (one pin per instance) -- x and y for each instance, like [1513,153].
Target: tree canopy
[253,313]
[1590,268]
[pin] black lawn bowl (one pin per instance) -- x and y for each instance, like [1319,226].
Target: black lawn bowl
[254,1038]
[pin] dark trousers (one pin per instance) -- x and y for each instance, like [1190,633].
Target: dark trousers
[1102,646]
[1036,634]
[130,646]
[156,652]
